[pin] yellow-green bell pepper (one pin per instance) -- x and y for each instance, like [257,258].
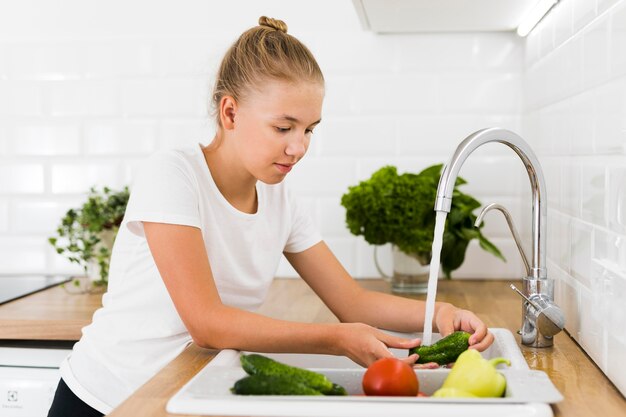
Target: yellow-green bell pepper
[473,375]
[452,393]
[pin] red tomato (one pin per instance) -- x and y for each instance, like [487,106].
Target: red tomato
[390,377]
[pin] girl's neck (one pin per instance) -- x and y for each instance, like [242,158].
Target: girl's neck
[236,185]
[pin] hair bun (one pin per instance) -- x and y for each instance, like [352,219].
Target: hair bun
[273,23]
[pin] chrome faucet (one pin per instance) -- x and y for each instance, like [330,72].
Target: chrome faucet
[541,317]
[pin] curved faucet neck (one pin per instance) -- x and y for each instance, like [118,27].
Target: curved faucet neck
[450,173]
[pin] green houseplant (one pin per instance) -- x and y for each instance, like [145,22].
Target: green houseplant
[399,209]
[86,234]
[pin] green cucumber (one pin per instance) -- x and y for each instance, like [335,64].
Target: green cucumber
[255,364]
[445,350]
[271,385]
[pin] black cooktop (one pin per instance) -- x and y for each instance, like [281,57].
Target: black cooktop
[17,286]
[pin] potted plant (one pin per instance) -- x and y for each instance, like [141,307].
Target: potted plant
[399,209]
[86,234]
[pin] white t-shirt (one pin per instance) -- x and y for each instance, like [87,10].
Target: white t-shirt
[138,331]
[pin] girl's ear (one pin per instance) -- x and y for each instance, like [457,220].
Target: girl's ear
[228,108]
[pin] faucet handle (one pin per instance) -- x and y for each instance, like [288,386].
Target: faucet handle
[509,220]
[549,317]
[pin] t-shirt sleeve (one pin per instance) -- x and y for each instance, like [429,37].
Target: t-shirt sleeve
[304,232]
[164,191]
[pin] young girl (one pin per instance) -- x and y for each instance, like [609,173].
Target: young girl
[203,234]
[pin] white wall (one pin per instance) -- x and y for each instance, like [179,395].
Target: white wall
[575,118]
[88,88]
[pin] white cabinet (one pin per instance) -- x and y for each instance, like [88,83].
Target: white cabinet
[29,375]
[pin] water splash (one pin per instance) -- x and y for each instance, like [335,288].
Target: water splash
[440,222]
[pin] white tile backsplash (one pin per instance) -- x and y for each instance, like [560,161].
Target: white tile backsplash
[46,61]
[81,97]
[118,58]
[5,133]
[332,217]
[188,56]
[323,177]
[440,134]
[606,248]
[359,52]
[481,92]
[585,162]
[616,196]
[20,254]
[21,178]
[47,139]
[610,118]
[78,177]
[114,137]
[183,132]
[562,21]
[389,101]
[592,333]
[340,99]
[593,192]
[617,40]
[583,12]
[20,98]
[604,5]
[374,136]
[616,360]
[406,94]
[581,254]
[596,50]
[165,97]
[38,216]
[447,52]
[582,123]
[4,216]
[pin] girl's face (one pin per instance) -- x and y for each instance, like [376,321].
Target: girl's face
[273,127]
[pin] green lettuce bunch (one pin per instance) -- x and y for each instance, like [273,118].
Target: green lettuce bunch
[399,209]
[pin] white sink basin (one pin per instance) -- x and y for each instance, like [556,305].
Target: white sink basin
[208,393]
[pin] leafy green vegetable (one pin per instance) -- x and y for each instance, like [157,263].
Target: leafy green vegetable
[399,209]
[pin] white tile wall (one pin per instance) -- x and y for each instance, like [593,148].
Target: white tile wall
[115,137]
[4,217]
[76,177]
[82,102]
[21,178]
[47,139]
[575,117]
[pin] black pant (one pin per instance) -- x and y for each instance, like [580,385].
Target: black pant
[67,404]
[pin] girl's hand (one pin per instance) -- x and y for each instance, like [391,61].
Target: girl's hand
[449,318]
[365,344]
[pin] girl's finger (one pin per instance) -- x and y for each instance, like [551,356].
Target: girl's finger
[484,343]
[479,332]
[429,365]
[410,360]
[399,342]
[446,327]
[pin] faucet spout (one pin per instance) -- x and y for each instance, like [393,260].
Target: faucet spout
[443,201]
[541,317]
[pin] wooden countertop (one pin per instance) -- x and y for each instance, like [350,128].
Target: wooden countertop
[570,369]
[52,314]
[55,315]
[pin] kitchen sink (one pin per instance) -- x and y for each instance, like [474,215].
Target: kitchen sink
[528,393]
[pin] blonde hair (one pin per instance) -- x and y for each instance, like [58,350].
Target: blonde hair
[263,52]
